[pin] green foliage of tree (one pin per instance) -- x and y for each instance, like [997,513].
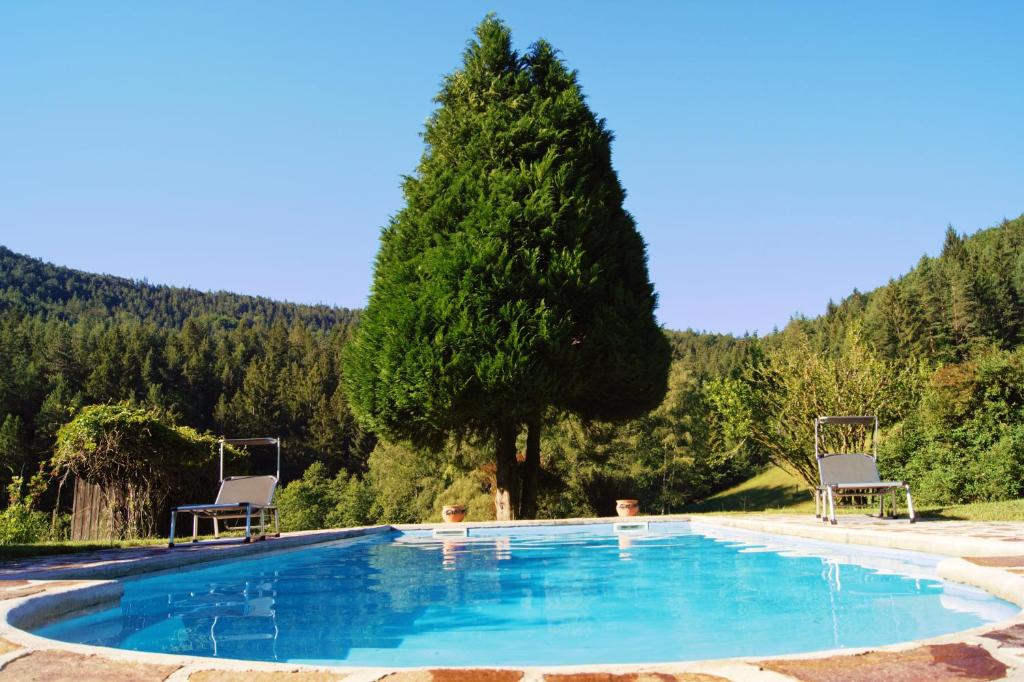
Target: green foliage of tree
[273,370]
[471,489]
[319,501]
[795,382]
[240,365]
[965,440]
[968,298]
[412,484]
[21,522]
[13,446]
[407,482]
[510,275]
[675,455]
[34,287]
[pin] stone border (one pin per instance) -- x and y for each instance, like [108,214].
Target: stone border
[902,536]
[992,651]
[151,559]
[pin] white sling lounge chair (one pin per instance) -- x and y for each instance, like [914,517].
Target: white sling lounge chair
[852,474]
[240,497]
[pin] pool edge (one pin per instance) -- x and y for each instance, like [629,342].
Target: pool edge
[999,580]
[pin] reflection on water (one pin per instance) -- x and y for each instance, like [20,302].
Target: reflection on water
[625,542]
[449,552]
[541,596]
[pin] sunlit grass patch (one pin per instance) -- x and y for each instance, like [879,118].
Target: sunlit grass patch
[777,490]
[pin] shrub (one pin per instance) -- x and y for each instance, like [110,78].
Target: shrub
[998,472]
[353,502]
[405,483]
[303,504]
[472,490]
[318,501]
[965,441]
[20,523]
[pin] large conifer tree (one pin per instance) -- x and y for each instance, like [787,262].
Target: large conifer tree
[513,281]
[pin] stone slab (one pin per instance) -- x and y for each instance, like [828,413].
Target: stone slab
[997,561]
[935,663]
[221,675]
[455,675]
[634,677]
[1012,636]
[65,666]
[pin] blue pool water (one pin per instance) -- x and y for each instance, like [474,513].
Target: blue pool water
[538,596]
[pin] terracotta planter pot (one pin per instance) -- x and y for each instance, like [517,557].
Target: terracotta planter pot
[627,507]
[453,513]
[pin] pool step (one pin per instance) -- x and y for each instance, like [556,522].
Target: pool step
[458,532]
[630,527]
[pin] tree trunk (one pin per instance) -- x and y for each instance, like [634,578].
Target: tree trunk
[506,489]
[531,470]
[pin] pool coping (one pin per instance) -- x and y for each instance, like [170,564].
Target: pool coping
[47,593]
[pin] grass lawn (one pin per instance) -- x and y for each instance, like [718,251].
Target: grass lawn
[774,489]
[11,552]
[777,490]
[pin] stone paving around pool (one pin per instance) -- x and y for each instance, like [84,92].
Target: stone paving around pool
[987,555]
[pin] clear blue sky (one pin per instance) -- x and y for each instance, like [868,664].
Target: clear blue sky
[776,154]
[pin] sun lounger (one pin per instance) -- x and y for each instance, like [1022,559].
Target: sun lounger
[845,475]
[240,498]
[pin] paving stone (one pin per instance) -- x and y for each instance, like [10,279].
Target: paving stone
[455,675]
[1012,636]
[935,663]
[997,561]
[265,676]
[634,677]
[29,589]
[22,592]
[64,666]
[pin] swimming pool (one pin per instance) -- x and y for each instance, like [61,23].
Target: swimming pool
[540,595]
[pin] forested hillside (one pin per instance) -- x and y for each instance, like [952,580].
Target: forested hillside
[221,362]
[937,353]
[31,286]
[967,300]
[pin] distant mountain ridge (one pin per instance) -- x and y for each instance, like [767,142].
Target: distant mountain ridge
[35,287]
[973,292]
[968,298]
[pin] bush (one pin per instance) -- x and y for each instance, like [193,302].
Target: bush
[303,504]
[22,526]
[405,482]
[353,503]
[472,490]
[317,501]
[965,441]
[998,471]
[20,523]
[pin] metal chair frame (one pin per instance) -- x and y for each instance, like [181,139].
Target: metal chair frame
[828,492]
[235,510]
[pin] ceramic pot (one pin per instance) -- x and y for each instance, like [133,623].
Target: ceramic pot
[627,507]
[453,513]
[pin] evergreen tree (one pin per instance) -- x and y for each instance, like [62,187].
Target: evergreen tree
[513,281]
[12,446]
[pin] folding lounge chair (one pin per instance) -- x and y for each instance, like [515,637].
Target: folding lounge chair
[852,474]
[240,497]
